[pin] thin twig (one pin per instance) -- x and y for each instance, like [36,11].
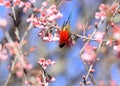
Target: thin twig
[84,37]
[44,79]
[18,51]
[111,19]
[13,62]
[15,20]
[25,34]
[91,66]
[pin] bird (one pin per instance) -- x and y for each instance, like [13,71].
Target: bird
[65,34]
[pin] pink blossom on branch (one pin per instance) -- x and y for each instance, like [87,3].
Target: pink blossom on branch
[89,54]
[45,63]
[99,36]
[7,4]
[46,21]
[105,10]
[109,42]
[116,31]
[18,3]
[3,22]
[100,15]
[44,4]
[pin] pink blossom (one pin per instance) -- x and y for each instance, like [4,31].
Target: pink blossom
[18,65]
[116,47]
[1,2]
[48,38]
[55,38]
[45,63]
[21,4]
[89,57]
[30,19]
[41,33]
[26,82]
[48,62]
[103,7]
[59,15]
[51,18]
[52,79]
[112,83]
[101,83]
[99,36]
[3,22]
[27,4]
[12,44]
[49,12]
[53,7]
[44,66]
[105,10]
[100,15]
[41,61]
[44,4]
[109,42]
[7,4]
[53,63]
[25,9]
[17,2]
[88,48]
[19,73]
[92,70]
[29,66]
[116,31]
[89,54]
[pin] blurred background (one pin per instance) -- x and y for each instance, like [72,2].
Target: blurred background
[69,68]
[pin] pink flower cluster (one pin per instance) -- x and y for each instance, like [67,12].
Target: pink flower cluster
[46,21]
[116,37]
[6,49]
[45,63]
[39,75]
[5,3]
[19,68]
[111,83]
[105,10]
[47,15]
[26,5]
[116,31]
[39,79]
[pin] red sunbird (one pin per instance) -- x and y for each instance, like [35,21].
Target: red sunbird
[65,35]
